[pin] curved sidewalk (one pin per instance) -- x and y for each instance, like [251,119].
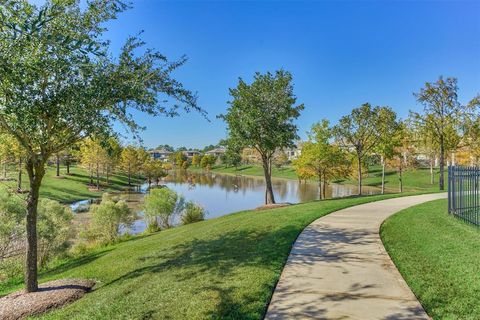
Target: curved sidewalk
[339,269]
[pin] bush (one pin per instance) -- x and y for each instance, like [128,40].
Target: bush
[106,219]
[53,229]
[192,213]
[160,208]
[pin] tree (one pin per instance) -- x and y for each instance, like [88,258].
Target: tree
[113,150]
[92,157]
[107,218]
[60,84]
[180,157]
[358,131]
[387,131]
[7,155]
[442,115]
[207,162]
[196,160]
[160,208]
[166,147]
[129,162]
[280,159]
[153,170]
[320,158]
[233,154]
[260,116]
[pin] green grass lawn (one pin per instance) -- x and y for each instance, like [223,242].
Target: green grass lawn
[223,268]
[439,257]
[73,187]
[413,179]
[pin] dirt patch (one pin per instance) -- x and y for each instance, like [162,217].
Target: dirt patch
[50,295]
[272,206]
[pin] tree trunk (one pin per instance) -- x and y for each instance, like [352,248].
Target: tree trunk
[58,165]
[68,166]
[319,185]
[19,182]
[324,187]
[442,164]
[400,178]
[98,178]
[269,198]
[108,174]
[129,176]
[359,176]
[432,176]
[36,171]
[5,170]
[383,175]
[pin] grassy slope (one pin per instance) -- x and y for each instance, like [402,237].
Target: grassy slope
[413,180]
[72,187]
[220,268]
[439,257]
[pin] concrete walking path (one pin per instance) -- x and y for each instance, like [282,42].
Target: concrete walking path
[339,269]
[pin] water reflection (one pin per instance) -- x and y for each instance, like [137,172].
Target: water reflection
[221,194]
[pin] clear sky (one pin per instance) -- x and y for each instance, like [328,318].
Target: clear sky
[341,54]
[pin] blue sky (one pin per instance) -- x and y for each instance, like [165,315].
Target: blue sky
[341,54]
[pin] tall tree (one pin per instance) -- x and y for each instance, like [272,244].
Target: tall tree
[387,130]
[359,131]
[93,157]
[260,116]
[443,114]
[60,84]
[130,162]
[319,156]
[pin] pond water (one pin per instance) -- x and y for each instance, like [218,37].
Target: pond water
[221,194]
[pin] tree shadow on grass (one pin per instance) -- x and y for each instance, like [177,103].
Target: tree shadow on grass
[220,258]
[74,263]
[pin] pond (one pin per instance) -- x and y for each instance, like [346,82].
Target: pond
[222,194]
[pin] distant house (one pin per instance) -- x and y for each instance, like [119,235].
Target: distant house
[295,152]
[190,153]
[160,154]
[217,152]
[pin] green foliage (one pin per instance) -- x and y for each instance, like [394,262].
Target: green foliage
[361,131]
[320,158]
[196,160]
[12,214]
[444,117]
[54,222]
[207,161]
[107,218]
[180,157]
[60,84]
[192,213]
[261,115]
[161,206]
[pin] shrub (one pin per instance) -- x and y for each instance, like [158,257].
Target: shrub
[106,219]
[160,208]
[192,213]
[53,228]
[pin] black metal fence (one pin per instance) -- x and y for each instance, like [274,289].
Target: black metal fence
[464,193]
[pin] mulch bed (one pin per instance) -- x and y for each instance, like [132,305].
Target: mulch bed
[272,206]
[50,295]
